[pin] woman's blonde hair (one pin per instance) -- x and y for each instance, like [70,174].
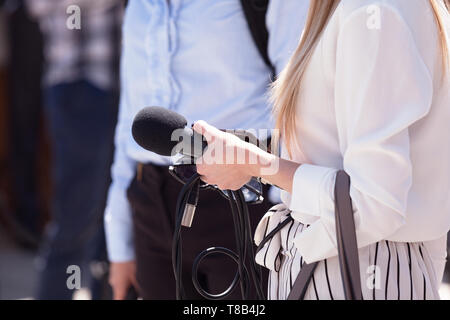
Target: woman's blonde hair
[285,90]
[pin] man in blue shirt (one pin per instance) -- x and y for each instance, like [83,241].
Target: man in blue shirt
[197,58]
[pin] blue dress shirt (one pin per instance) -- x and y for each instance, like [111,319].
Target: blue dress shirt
[196,57]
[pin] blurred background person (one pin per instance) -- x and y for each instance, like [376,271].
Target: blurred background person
[197,58]
[23,126]
[4,52]
[25,115]
[80,98]
[24,154]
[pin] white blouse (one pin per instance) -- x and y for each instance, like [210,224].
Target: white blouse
[375,103]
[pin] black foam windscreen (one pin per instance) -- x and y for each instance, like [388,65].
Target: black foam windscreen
[153,128]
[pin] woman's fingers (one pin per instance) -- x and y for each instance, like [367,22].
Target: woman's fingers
[208,131]
[218,165]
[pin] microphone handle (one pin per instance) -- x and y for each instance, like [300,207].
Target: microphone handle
[193,143]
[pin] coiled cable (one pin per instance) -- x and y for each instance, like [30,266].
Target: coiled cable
[248,271]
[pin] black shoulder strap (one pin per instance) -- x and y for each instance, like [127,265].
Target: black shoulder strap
[255,13]
[347,246]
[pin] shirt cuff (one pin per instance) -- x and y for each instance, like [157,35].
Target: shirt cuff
[313,190]
[119,229]
[312,202]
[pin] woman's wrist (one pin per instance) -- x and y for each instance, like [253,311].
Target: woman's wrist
[260,162]
[272,169]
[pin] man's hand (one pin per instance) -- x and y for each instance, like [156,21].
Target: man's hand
[122,275]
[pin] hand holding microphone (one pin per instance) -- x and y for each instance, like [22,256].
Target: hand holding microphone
[223,159]
[223,170]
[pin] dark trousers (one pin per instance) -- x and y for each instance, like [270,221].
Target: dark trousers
[81,118]
[153,195]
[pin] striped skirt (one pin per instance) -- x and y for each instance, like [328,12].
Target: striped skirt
[389,270]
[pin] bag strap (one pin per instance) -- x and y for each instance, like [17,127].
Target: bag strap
[255,14]
[301,284]
[346,238]
[347,246]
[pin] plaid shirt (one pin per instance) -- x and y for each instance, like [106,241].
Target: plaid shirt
[91,52]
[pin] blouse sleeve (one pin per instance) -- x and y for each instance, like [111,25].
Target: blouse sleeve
[382,87]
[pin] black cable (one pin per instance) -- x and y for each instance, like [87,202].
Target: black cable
[176,243]
[248,271]
[255,269]
[239,233]
[198,260]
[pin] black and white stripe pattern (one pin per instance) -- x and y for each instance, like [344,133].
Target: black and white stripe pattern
[389,270]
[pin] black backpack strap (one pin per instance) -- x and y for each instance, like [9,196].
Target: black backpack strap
[255,14]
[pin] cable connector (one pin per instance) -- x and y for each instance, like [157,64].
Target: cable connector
[188,215]
[190,207]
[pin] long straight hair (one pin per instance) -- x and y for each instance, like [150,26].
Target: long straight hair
[285,91]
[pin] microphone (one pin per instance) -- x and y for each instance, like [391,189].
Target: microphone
[155,129]
[160,130]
